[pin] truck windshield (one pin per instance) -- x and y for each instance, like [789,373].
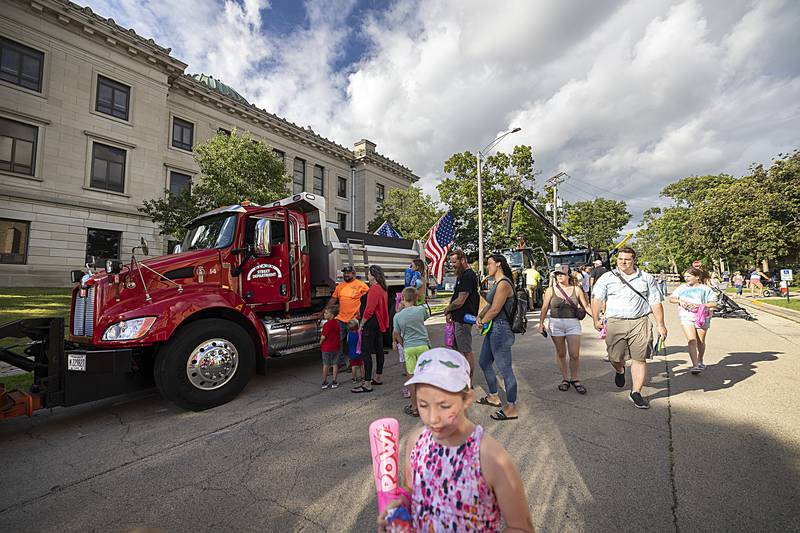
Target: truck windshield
[211,232]
[515,259]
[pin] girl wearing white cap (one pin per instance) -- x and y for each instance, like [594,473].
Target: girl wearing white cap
[459,478]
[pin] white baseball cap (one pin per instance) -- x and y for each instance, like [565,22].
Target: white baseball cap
[443,368]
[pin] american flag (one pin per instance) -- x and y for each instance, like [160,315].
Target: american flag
[386,230]
[438,244]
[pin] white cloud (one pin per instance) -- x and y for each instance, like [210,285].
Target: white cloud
[625,95]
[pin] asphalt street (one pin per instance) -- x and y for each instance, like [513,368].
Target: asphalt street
[716,452]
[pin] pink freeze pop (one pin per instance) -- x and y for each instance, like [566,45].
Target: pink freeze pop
[384,439]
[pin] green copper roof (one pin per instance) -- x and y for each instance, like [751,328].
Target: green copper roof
[220,87]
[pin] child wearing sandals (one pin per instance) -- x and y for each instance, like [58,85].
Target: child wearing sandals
[410,334]
[353,352]
[459,478]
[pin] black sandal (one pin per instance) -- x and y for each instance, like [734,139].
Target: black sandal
[376,382]
[578,386]
[564,385]
[485,401]
[501,415]
[360,389]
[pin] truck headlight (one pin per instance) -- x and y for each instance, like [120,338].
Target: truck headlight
[128,330]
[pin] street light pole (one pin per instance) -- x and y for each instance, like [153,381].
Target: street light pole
[480,195]
[555,181]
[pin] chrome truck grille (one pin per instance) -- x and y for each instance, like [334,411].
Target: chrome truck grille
[83,317]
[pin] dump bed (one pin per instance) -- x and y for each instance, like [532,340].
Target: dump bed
[360,250]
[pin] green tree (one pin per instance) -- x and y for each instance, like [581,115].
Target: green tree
[755,217]
[743,220]
[502,177]
[694,190]
[660,240]
[233,168]
[410,211]
[596,223]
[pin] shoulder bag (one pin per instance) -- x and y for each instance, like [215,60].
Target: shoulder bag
[580,312]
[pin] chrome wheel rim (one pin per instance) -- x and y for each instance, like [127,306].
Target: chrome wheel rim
[212,364]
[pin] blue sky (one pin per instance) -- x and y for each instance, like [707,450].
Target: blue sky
[626,96]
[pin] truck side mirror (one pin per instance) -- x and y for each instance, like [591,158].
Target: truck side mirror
[143,244]
[263,234]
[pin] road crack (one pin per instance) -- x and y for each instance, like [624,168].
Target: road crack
[671,448]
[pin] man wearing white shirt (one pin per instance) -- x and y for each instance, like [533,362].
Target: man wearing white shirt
[627,310]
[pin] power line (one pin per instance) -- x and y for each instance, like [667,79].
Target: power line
[581,194]
[603,189]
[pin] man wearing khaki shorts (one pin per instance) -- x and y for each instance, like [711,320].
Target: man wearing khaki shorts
[627,310]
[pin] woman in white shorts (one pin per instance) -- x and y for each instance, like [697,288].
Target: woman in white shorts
[562,300]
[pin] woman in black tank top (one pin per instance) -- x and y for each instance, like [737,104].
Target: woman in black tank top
[563,300]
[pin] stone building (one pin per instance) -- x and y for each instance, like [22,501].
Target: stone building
[95,119]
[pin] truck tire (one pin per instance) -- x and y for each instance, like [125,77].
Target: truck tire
[206,364]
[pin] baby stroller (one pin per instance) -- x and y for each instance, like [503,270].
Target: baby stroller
[726,307]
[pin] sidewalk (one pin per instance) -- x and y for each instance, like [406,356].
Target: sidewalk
[759,305]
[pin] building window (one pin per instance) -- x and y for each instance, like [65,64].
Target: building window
[171,244]
[179,182]
[223,131]
[182,134]
[102,244]
[299,176]
[341,187]
[112,98]
[108,168]
[280,155]
[21,65]
[17,146]
[380,193]
[319,180]
[13,242]
[342,219]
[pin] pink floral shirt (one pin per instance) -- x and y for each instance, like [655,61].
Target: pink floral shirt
[449,492]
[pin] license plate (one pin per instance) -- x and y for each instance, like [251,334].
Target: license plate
[76,361]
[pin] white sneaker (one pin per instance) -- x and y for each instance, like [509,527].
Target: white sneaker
[696,370]
[701,366]
[325,385]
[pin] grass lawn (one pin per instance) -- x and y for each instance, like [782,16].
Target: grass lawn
[18,303]
[793,304]
[437,308]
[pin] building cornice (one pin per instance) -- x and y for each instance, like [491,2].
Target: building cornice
[388,165]
[263,118]
[260,117]
[93,26]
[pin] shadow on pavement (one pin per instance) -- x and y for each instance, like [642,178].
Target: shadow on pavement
[730,370]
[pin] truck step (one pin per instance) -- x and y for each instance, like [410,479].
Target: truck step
[269,321]
[298,349]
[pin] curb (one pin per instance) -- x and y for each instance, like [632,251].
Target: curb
[768,308]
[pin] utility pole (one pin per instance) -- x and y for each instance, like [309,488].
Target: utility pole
[555,181]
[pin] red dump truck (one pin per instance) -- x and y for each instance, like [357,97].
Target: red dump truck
[249,282]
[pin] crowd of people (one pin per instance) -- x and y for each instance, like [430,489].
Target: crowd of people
[624,304]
